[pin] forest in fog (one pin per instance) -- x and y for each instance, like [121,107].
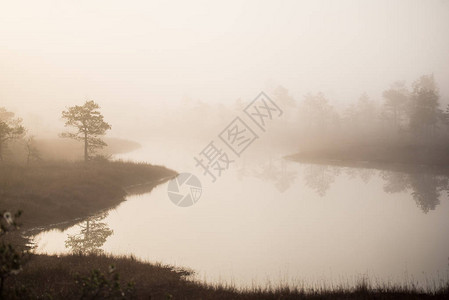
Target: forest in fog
[407,115]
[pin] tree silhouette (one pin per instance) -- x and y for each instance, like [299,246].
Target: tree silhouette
[446,115]
[396,99]
[10,128]
[283,97]
[317,114]
[424,104]
[89,124]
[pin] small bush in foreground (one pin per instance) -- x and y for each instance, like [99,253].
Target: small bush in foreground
[100,286]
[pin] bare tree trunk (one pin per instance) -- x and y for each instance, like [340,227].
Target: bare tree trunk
[85,147]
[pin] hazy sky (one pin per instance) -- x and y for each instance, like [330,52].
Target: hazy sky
[132,56]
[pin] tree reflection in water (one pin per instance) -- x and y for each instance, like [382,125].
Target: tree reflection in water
[92,235]
[425,187]
[320,177]
[276,171]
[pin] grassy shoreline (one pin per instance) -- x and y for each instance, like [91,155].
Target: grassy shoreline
[407,159]
[155,281]
[62,192]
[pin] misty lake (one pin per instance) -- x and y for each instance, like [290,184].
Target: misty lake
[269,221]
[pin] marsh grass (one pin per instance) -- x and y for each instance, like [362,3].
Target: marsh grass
[394,157]
[55,277]
[57,191]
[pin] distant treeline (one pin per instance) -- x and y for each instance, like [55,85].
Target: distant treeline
[405,115]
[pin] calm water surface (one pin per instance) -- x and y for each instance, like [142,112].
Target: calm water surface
[269,220]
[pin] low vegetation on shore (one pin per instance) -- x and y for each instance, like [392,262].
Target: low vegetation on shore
[101,276]
[394,156]
[54,192]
